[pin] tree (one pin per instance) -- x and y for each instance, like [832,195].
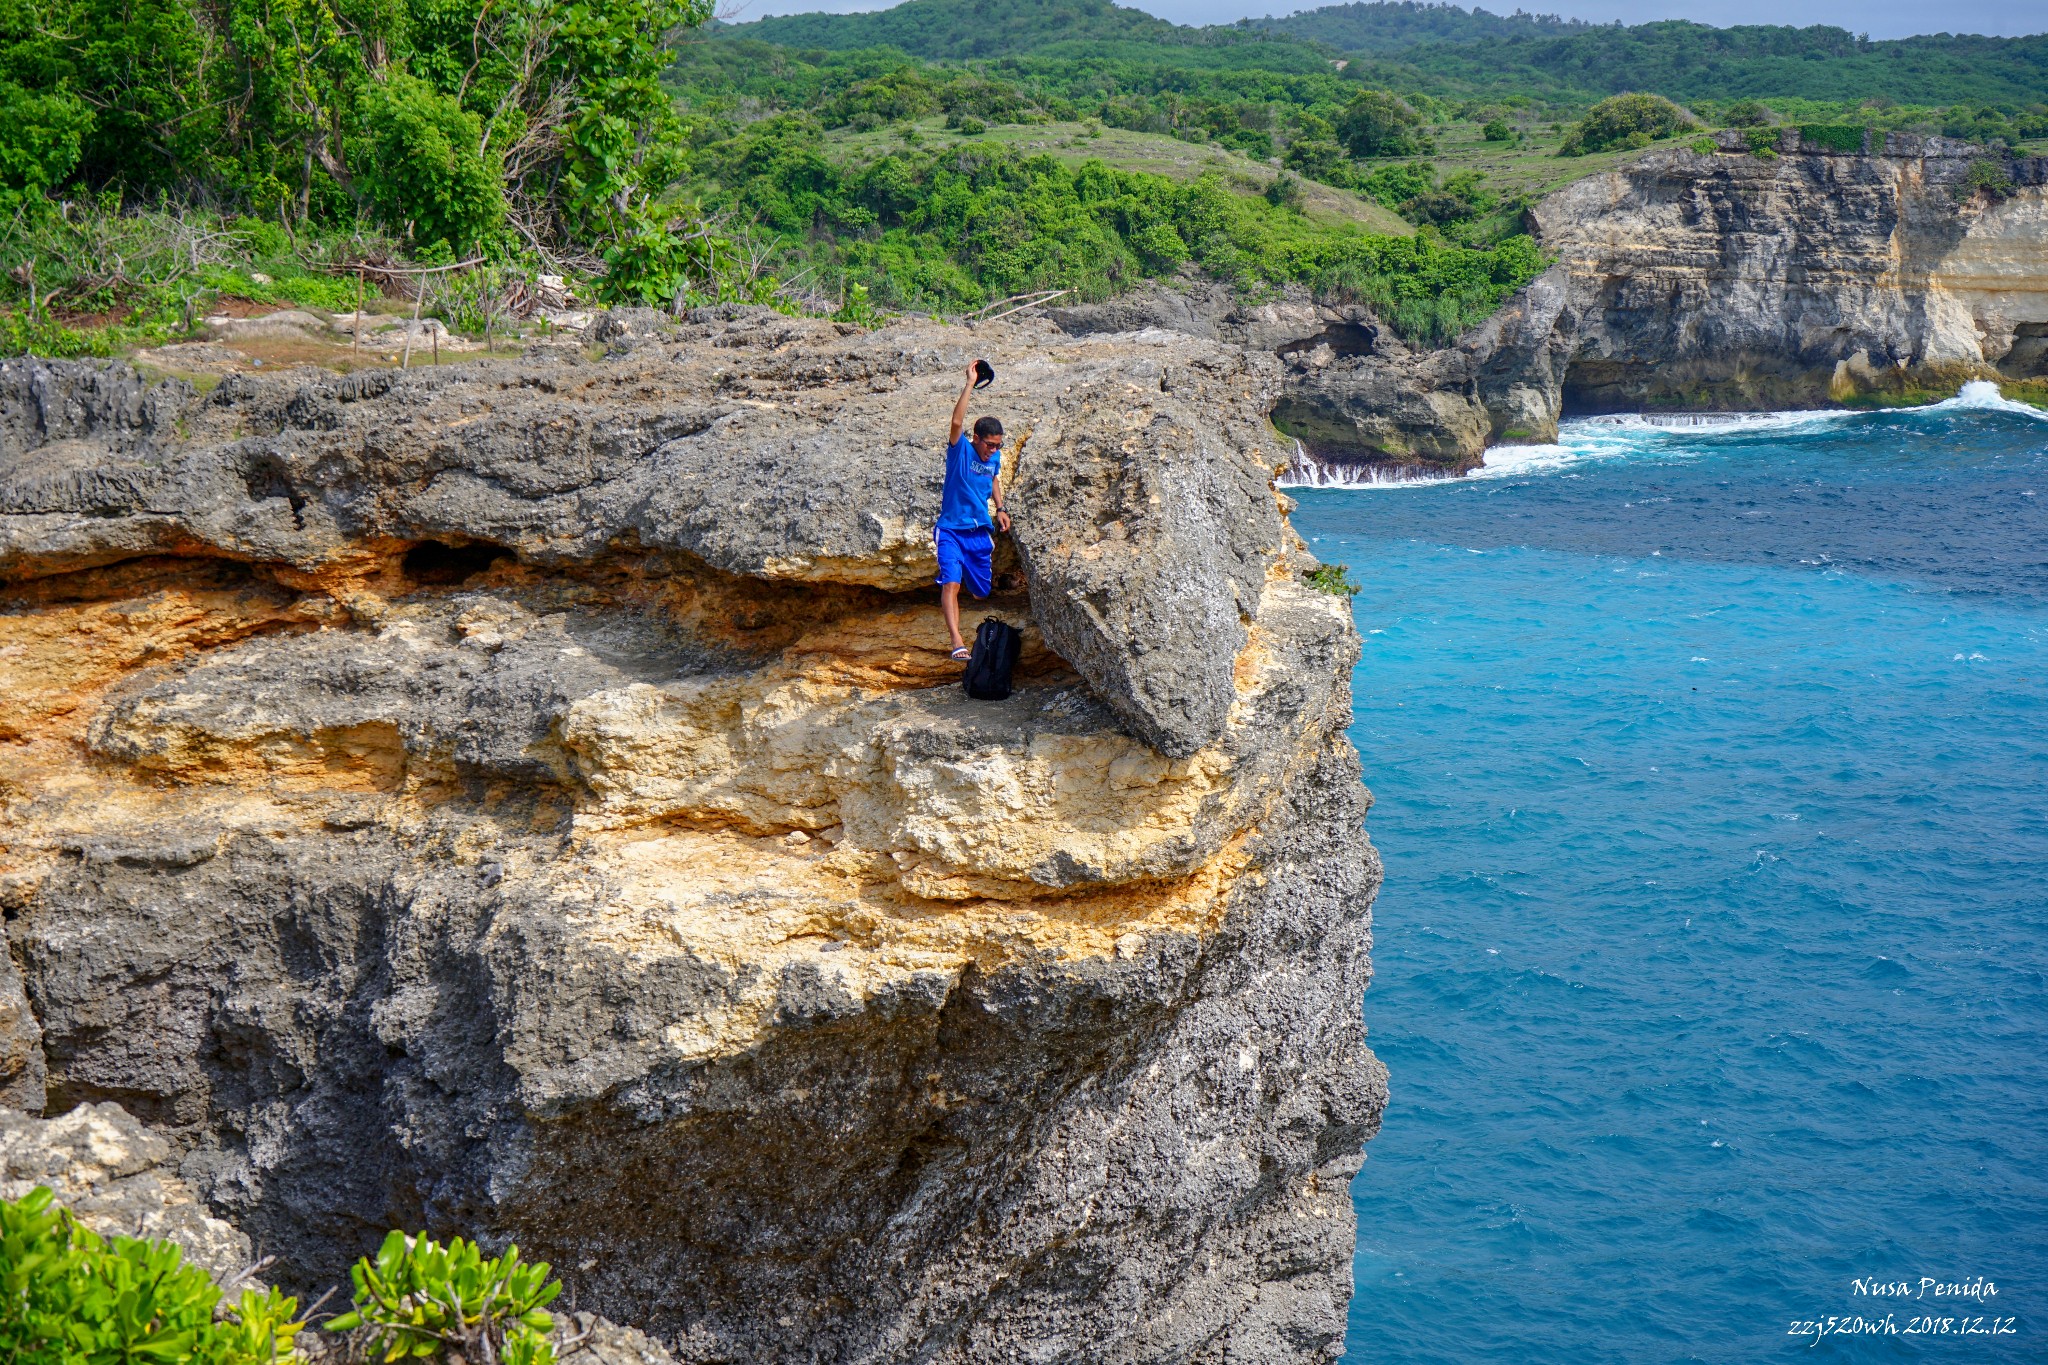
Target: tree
[1377,123]
[1626,121]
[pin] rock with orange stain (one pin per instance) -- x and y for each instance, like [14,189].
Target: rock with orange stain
[772,448]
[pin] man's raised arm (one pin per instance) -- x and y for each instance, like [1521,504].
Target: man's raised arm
[960,408]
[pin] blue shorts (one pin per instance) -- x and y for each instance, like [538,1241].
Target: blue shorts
[965,556]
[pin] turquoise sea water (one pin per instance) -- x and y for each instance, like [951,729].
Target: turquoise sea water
[1712,962]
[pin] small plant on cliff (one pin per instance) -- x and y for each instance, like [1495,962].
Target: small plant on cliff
[1750,114]
[417,1298]
[1331,578]
[71,1297]
[1626,121]
[1987,177]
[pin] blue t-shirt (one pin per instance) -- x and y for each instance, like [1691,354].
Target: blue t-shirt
[970,482]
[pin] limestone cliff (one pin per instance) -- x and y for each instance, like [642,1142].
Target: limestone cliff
[1726,281]
[531,800]
[1683,281]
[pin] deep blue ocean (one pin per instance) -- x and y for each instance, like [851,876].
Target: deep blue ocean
[1711,768]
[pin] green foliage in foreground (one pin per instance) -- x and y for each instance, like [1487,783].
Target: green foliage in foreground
[1333,579]
[458,127]
[419,1299]
[1627,121]
[70,1297]
[955,228]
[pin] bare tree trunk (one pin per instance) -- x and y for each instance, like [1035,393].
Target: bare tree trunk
[414,330]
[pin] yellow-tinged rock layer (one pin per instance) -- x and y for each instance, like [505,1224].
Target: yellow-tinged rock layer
[840,803]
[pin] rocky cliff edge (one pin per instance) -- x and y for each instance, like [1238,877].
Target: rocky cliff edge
[531,800]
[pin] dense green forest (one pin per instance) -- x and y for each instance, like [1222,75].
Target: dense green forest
[1448,50]
[959,30]
[159,155]
[1680,60]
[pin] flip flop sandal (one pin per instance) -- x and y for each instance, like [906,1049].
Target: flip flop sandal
[962,654]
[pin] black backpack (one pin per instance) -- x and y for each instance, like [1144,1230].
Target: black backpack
[996,646]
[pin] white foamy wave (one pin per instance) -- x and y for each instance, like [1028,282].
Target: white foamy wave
[1615,436]
[1707,423]
[1506,461]
[1983,396]
[1690,421]
[1308,473]
[1313,475]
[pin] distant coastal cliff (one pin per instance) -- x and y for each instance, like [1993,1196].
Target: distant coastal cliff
[1728,280]
[1739,283]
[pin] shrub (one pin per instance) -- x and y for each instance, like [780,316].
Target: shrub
[1763,142]
[1160,247]
[1497,130]
[1626,121]
[23,333]
[41,138]
[71,1297]
[1705,146]
[420,165]
[1750,114]
[1377,123]
[1331,578]
[1397,184]
[1319,159]
[417,1298]
[1285,193]
[1987,177]
[475,302]
[1839,137]
[1435,206]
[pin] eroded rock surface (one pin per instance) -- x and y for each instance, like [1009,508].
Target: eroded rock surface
[532,801]
[119,1179]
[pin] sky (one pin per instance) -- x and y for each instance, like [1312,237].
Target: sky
[1878,18]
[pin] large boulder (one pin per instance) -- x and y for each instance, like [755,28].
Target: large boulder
[773,448]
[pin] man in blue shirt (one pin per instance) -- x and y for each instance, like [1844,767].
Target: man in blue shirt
[963,538]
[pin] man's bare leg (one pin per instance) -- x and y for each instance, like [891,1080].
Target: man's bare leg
[949,607]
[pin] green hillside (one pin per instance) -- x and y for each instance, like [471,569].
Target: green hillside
[1395,25]
[1685,61]
[962,30]
[1451,51]
[158,157]
[943,152]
